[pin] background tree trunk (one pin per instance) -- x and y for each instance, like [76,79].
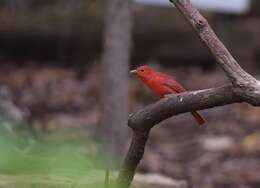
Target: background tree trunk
[115,63]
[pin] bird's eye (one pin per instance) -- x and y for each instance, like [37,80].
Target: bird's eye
[142,70]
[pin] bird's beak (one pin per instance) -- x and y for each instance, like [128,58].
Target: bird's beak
[133,72]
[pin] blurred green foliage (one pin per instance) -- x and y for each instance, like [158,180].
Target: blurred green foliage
[54,163]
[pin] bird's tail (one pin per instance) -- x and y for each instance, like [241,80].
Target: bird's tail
[200,120]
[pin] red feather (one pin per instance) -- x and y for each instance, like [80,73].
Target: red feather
[163,84]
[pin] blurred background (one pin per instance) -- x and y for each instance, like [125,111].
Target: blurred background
[64,74]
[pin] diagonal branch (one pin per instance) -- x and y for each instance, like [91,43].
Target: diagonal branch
[244,85]
[244,88]
[232,69]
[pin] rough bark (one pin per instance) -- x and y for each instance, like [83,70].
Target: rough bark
[243,88]
[115,62]
[133,157]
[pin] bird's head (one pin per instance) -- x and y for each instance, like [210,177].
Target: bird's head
[143,72]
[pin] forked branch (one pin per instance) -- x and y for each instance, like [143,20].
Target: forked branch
[243,88]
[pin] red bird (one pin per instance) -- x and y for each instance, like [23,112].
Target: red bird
[162,84]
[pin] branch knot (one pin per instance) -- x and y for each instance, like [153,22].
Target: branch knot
[200,24]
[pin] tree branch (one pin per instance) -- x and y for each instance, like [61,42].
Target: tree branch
[243,88]
[133,157]
[244,85]
[175,104]
[142,121]
[232,69]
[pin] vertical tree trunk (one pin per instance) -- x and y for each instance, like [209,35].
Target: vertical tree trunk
[115,63]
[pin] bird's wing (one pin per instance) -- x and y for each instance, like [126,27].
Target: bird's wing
[171,83]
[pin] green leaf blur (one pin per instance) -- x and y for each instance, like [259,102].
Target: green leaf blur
[52,163]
